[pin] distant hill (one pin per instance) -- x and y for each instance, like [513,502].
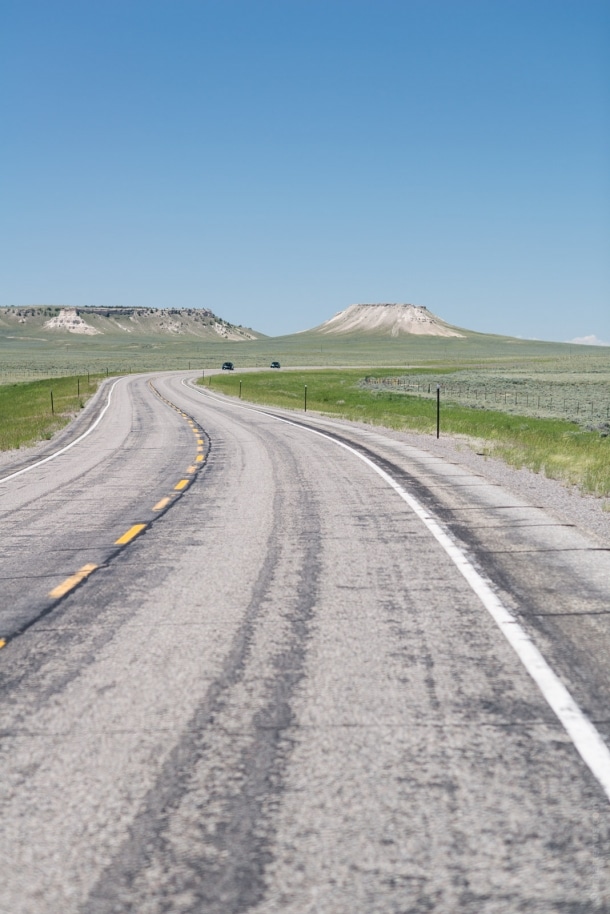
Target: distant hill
[50,321]
[387,320]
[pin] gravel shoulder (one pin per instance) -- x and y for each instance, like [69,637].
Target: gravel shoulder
[588,512]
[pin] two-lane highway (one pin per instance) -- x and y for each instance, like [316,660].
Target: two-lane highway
[66,514]
[287,694]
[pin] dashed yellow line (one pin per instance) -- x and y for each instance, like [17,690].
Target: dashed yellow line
[2,643]
[129,534]
[72,581]
[84,572]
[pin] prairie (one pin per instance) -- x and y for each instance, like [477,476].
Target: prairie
[34,411]
[532,403]
[576,453]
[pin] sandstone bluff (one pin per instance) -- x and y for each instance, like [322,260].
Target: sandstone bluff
[389,320]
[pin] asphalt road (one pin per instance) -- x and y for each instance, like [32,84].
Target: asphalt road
[251,666]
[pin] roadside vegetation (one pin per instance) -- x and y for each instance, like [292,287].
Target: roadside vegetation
[34,411]
[536,404]
[559,448]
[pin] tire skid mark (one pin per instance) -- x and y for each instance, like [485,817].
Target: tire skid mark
[216,860]
[465,552]
[581,730]
[72,582]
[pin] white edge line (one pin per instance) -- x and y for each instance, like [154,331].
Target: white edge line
[38,463]
[586,739]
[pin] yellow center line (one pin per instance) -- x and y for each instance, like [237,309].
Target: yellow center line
[191,469]
[2,643]
[162,504]
[129,534]
[72,581]
[181,484]
[199,458]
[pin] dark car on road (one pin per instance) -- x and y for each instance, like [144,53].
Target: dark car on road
[227,366]
[275,365]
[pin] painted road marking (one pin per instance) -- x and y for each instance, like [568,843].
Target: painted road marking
[199,458]
[68,446]
[587,741]
[2,643]
[191,469]
[129,534]
[72,581]
[585,737]
[84,572]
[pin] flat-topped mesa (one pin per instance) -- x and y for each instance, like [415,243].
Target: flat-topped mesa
[389,319]
[88,320]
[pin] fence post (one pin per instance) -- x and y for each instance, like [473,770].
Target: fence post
[438,410]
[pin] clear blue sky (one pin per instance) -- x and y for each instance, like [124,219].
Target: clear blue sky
[278,160]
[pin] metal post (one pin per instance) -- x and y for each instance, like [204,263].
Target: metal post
[52,406]
[240,390]
[438,410]
[306,398]
[78,387]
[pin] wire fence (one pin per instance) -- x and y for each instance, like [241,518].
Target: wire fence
[585,402]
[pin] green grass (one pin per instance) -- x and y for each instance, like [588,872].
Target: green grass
[28,353]
[557,448]
[558,381]
[26,416]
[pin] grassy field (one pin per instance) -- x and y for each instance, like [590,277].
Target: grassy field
[32,412]
[558,448]
[537,404]
[29,355]
[537,392]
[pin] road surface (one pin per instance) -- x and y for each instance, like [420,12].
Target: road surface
[261,662]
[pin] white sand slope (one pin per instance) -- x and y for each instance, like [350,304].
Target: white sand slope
[69,320]
[391,319]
